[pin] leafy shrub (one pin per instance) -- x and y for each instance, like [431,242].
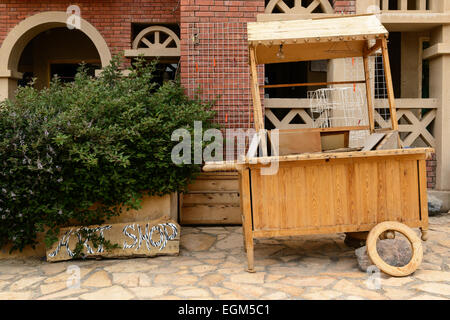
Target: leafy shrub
[103,141]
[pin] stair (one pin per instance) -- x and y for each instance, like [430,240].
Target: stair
[212,199]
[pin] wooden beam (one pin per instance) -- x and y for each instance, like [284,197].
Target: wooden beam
[309,84]
[375,47]
[369,94]
[256,95]
[389,85]
[245,191]
[419,153]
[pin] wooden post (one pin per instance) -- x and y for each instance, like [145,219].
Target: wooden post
[369,93]
[247,216]
[389,86]
[257,105]
[422,167]
[256,95]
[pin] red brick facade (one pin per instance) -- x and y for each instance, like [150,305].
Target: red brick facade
[112,18]
[344,6]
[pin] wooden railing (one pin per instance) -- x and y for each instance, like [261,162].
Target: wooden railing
[415,117]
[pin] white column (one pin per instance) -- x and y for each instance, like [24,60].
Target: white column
[439,84]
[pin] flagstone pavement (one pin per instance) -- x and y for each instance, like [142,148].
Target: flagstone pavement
[212,265]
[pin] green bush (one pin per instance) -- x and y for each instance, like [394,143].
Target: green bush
[105,139]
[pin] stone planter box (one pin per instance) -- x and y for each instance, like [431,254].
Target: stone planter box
[153,208]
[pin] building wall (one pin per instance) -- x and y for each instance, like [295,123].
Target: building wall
[112,18]
[219,58]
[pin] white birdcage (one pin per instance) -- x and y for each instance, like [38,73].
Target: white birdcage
[339,107]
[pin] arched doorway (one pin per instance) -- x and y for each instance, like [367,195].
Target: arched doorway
[20,36]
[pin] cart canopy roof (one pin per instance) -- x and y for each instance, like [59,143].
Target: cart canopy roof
[303,40]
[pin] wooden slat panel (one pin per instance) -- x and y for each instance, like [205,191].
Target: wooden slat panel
[409,190]
[382,191]
[257,199]
[369,174]
[393,190]
[355,192]
[325,196]
[274,206]
[211,214]
[209,185]
[284,178]
[340,205]
[423,192]
[312,185]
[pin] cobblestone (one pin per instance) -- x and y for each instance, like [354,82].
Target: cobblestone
[212,265]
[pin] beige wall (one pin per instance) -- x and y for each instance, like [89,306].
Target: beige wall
[439,88]
[411,68]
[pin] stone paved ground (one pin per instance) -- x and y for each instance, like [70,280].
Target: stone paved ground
[212,265]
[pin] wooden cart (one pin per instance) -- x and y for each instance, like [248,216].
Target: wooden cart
[320,193]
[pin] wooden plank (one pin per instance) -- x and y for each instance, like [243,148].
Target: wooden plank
[300,198]
[312,185]
[247,216]
[256,94]
[309,84]
[393,190]
[381,191]
[331,28]
[217,175]
[417,153]
[389,85]
[227,197]
[368,94]
[309,51]
[326,194]
[211,214]
[339,188]
[409,190]
[372,140]
[146,238]
[334,140]
[390,141]
[281,189]
[422,178]
[214,185]
[322,230]
[295,142]
[258,211]
[373,49]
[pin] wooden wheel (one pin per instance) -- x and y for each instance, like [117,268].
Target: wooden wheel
[298,8]
[416,244]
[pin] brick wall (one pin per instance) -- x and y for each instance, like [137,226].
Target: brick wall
[218,60]
[431,172]
[344,6]
[112,18]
